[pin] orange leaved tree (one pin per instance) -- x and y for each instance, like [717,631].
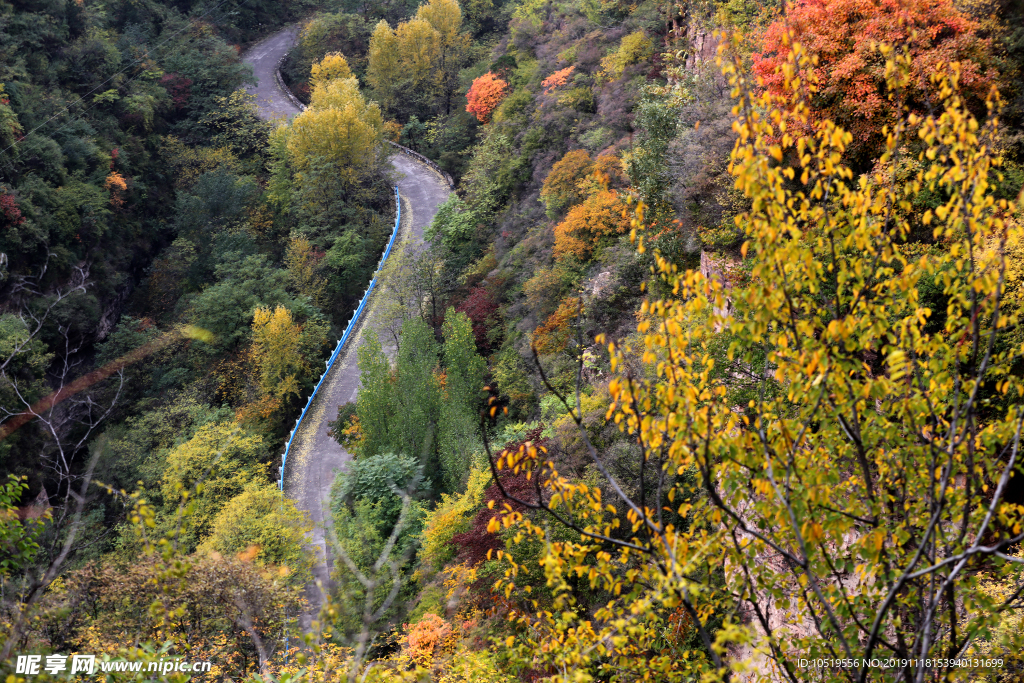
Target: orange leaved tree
[600,216]
[557,79]
[485,95]
[842,34]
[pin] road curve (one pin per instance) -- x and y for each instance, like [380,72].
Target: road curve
[264,57]
[315,457]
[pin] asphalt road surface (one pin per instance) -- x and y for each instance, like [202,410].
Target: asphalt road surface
[315,457]
[265,57]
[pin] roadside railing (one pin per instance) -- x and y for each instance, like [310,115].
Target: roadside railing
[433,166]
[349,331]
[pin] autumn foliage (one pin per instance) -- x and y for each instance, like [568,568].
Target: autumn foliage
[10,211]
[426,636]
[331,67]
[560,187]
[481,308]
[339,126]
[277,351]
[851,72]
[475,544]
[831,447]
[116,185]
[587,224]
[557,79]
[178,87]
[485,95]
[554,334]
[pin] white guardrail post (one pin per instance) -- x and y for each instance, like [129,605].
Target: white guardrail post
[344,337]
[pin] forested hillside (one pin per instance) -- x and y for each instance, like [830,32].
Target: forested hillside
[709,369]
[171,282]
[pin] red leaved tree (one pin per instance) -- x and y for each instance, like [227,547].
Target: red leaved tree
[9,210]
[178,87]
[480,306]
[850,70]
[474,544]
[485,95]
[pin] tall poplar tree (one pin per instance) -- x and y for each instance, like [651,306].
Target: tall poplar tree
[464,379]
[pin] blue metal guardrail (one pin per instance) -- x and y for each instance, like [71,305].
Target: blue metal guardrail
[344,337]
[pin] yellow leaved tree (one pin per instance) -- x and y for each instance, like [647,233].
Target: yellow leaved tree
[333,145]
[384,68]
[277,350]
[823,449]
[419,58]
[340,130]
[304,265]
[332,67]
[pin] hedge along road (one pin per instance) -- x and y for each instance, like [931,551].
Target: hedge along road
[315,457]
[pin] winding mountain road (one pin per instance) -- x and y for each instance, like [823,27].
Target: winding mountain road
[315,457]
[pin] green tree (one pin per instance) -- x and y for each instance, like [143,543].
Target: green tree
[19,538]
[383,479]
[418,392]
[459,424]
[225,309]
[23,363]
[399,408]
[376,403]
[656,119]
[377,527]
[236,125]
[136,450]
[218,199]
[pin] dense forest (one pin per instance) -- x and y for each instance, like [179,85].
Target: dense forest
[709,368]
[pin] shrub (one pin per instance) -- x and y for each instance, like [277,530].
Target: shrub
[262,517]
[588,224]
[557,79]
[474,666]
[481,308]
[449,518]
[554,335]
[560,187]
[427,636]
[224,459]
[634,48]
[376,478]
[475,543]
